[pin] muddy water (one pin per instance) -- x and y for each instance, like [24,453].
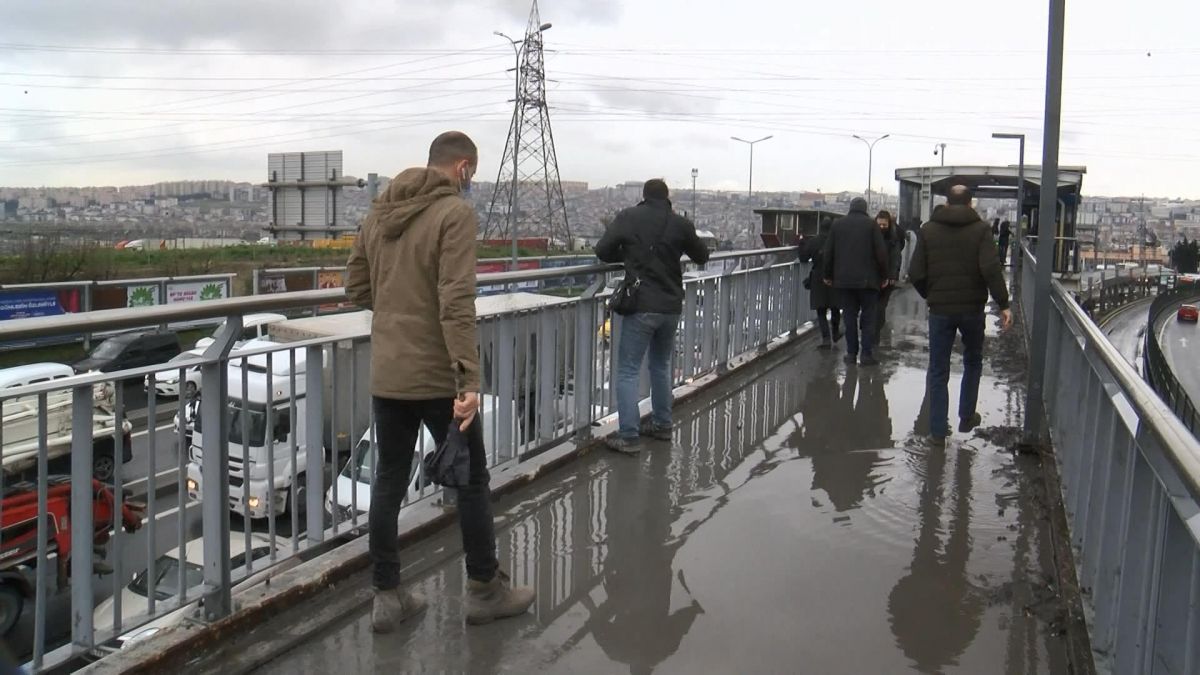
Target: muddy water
[798,523]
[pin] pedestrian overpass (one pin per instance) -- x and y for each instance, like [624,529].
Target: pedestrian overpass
[798,522]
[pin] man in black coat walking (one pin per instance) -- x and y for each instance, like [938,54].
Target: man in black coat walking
[856,266]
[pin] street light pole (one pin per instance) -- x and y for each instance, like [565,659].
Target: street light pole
[695,173]
[750,189]
[942,146]
[870,161]
[1035,423]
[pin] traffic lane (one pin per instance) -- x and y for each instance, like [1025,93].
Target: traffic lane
[1180,342]
[1127,329]
[163,444]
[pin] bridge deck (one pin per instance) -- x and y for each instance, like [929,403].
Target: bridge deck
[797,523]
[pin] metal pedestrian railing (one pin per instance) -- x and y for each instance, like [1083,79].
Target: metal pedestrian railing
[1130,475]
[271,459]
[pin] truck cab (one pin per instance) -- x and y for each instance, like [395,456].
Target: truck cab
[250,458]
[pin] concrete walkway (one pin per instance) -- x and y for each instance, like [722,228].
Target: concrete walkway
[797,524]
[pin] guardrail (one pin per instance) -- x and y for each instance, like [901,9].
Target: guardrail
[1131,489]
[547,370]
[1158,372]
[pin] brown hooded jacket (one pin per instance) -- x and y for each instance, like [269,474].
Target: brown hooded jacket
[413,263]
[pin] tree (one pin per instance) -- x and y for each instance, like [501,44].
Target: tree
[1185,256]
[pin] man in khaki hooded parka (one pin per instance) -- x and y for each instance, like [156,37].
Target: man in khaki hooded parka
[414,265]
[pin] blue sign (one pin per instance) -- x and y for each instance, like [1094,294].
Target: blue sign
[28,304]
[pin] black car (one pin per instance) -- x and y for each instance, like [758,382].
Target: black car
[131,350]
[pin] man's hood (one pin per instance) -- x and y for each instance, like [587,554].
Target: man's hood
[957,215]
[407,196]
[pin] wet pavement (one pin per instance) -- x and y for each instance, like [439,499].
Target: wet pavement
[798,523]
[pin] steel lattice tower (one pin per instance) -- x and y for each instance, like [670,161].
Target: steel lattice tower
[528,193]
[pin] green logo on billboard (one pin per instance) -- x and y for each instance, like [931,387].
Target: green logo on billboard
[141,297]
[211,292]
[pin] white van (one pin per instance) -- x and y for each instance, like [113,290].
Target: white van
[33,373]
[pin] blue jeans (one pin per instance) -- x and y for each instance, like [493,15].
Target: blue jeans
[859,303]
[641,332]
[943,328]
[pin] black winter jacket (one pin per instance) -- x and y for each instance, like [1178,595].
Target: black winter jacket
[956,264]
[629,239]
[855,255]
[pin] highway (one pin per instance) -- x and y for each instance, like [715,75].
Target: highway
[1181,347]
[1127,329]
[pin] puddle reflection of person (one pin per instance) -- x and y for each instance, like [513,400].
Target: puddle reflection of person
[934,610]
[844,427]
[634,624]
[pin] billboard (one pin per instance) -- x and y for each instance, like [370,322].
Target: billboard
[29,304]
[196,291]
[142,295]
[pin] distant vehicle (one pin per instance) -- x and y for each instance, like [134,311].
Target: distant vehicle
[166,383]
[18,541]
[33,373]
[254,327]
[131,350]
[357,473]
[21,420]
[1188,313]
[166,583]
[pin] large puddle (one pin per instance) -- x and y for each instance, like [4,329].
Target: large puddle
[798,523]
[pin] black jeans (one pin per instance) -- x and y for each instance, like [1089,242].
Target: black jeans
[859,304]
[397,427]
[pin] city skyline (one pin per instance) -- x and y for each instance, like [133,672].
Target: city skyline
[140,94]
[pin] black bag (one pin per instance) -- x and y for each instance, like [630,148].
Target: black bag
[624,300]
[450,464]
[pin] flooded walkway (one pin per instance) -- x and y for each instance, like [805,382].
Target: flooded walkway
[797,524]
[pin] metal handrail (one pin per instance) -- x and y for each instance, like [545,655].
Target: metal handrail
[1156,417]
[126,318]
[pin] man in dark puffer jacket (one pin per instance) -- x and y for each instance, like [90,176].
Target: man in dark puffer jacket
[954,268]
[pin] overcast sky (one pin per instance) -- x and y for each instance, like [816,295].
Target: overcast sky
[131,92]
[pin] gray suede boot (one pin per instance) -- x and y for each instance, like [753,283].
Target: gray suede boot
[496,599]
[393,606]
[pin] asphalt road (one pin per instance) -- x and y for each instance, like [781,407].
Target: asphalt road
[1127,329]
[1180,342]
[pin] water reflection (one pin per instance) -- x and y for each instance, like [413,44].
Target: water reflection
[638,577]
[844,426]
[934,610]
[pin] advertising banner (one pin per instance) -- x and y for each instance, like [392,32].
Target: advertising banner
[272,283]
[332,279]
[28,304]
[141,295]
[491,268]
[195,291]
[577,281]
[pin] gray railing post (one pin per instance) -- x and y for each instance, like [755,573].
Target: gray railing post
[82,600]
[214,411]
[314,447]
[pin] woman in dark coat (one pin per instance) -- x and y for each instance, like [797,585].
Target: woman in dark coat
[820,296]
[895,245]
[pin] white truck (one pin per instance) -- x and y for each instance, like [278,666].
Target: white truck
[269,452]
[20,433]
[275,447]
